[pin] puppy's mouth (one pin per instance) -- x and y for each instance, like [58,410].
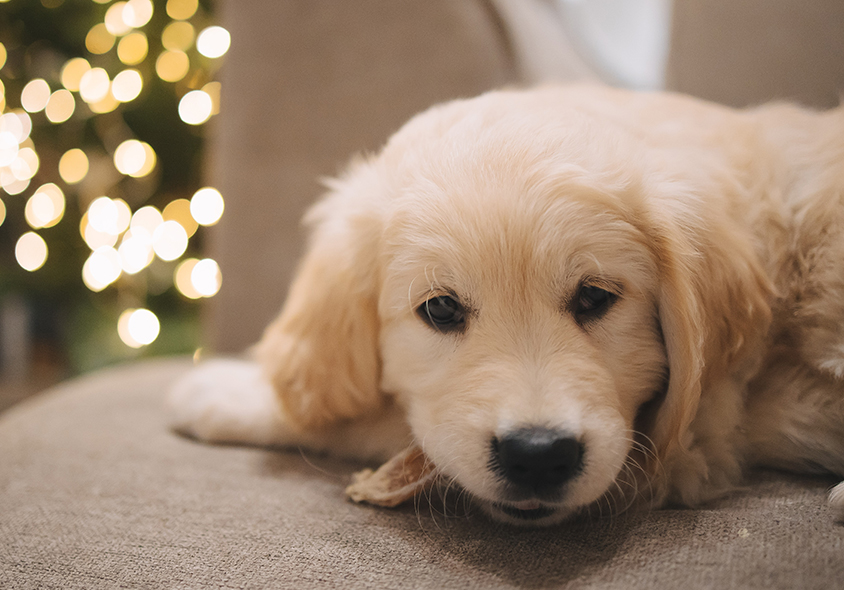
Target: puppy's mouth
[527,511]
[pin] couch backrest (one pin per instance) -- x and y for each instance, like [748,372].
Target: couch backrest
[306,84]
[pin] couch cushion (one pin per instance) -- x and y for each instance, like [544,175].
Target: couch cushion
[96,492]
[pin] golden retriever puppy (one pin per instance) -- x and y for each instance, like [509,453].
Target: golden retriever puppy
[570,299]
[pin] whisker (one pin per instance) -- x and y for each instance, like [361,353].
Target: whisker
[410,293]
[305,453]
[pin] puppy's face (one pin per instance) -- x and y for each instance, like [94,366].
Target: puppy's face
[521,271]
[519,328]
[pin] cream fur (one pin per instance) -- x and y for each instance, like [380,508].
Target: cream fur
[721,230]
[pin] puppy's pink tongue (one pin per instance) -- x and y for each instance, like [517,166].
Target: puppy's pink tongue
[396,481]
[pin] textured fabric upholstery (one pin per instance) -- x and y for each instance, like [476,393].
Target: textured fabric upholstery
[95,492]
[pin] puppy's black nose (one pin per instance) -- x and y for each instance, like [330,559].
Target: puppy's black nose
[539,459]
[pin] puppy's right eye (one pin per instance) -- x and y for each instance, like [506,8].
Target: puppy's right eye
[443,313]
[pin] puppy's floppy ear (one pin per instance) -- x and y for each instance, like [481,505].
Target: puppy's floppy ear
[321,353]
[714,309]
[681,320]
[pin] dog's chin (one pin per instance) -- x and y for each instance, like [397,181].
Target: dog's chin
[528,513]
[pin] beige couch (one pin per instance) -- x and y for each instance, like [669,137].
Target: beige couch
[96,492]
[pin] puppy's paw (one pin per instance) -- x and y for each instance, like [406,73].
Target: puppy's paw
[226,401]
[836,500]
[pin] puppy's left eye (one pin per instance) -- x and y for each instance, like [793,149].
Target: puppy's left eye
[592,302]
[443,313]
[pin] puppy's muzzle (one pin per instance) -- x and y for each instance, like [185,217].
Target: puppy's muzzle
[537,462]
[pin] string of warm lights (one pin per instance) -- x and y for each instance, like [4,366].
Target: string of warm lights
[122,242]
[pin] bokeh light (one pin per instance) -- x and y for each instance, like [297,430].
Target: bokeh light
[178,36]
[127,85]
[73,71]
[60,107]
[39,210]
[207,206]
[35,95]
[89,280]
[109,216]
[206,277]
[95,239]
[25,165]
[114,22]
[56,196]
[101,268]
[137,13]
[94,85]
[99,40]
[149,161]
[12,127]
[138,327]
[181,9]
[102,215]
[135,251]
[179,210]
[213,42]
[45,208]
[169,241]
[124,215]
[182,278]
[105,105]
[132,49]
[12,185]
[134,158]
[31,251]
[172,66]
[18,123]
[148,218]
[213,89]
[25,122]
[129,156]
[2,212]
[195,107]
[73,166]
[198,278]
[9,147]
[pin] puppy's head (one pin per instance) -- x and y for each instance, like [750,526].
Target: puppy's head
[517,278]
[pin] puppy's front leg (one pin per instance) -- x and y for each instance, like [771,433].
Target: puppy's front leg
[232,402]
[228,401]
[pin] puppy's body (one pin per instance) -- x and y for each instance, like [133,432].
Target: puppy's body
[566,297]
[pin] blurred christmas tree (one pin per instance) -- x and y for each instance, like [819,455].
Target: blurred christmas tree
[101,139]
